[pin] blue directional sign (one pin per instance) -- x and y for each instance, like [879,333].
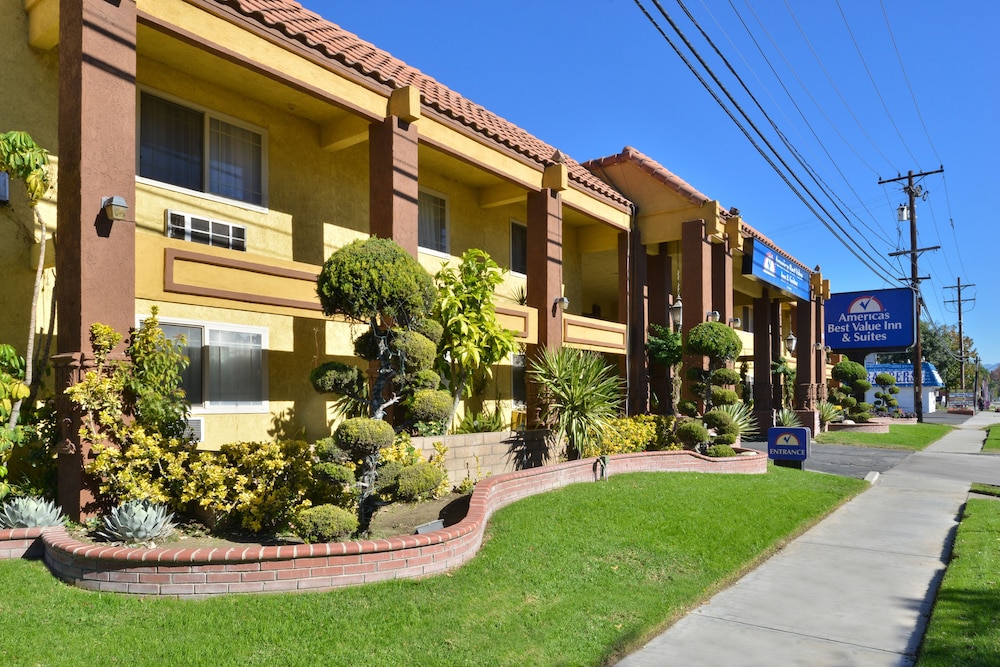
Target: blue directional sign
[880,320]
[765,263]
[786,443]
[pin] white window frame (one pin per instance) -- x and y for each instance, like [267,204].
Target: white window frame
[209,407]
[447,224]
[208,115]
[518,223]
[168,227]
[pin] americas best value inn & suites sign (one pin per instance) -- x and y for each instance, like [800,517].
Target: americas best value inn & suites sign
[882,320]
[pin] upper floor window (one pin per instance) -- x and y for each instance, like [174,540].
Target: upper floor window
[197,150]
[518,247]
[432,222]
[209,232]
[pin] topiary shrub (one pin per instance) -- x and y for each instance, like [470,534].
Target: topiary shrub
[723,396]
[419,482]
[430,405]
[335,377]
[416,351]
[720,450]
[688,408]
[724,376]
[388,476]
[691,434]
[325,523]
[721,421]
[665,438]
[361,436]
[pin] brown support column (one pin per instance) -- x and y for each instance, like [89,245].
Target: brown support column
[805,379]
[95,257]
[762,335]
[821,357]
[393,190]
[696,283]
[722,280]
[545,277]
[659,300]
[633,311]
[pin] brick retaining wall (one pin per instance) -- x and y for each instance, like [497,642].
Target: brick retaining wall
[181,572]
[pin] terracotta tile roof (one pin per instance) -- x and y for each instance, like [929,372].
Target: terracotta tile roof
[653,168]
[679,185]
[294,22]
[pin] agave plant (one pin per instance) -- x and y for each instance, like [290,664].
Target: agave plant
[786,417]
[828,412]
[30,512]
[743,417]
[137,521]
[581,395]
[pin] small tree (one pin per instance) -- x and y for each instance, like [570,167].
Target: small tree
[720,345]
[473,340]
[786,378]
[884,397]
[850,395]
[666,348]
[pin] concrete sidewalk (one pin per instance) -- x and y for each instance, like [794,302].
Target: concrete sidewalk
[857,588]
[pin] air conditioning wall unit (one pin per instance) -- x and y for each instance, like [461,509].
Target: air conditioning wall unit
[195,429]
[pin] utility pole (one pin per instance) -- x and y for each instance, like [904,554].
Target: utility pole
[914,191]
[961,338]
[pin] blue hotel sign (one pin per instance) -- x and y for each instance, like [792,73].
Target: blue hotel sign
[787,443]
[879,320]
[766,264]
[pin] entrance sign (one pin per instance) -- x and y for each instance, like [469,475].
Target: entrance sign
[766,264]
[786,443]
[881,320]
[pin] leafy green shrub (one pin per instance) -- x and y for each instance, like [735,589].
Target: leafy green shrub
[481,422]
[430,328]
[256,485]
[828,412]
[723,376]
[386,484]
[430,405]
[720,450]
[425,379]
[335,377]
[324,523]
[362,436]
[786,417]
[665,439]
[743,418]
[691,433]
[327,451]
[723,396]
[630,434]
[419,482]
[688,408]
[719,420]
[416,351]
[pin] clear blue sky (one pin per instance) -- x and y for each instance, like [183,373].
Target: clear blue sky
[592,76]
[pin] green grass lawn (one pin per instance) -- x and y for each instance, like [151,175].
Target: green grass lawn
[900,436]
[992,443]
[964,629]
[571,577]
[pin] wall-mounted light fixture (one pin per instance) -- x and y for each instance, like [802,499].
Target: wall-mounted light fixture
[712,316]
[735,322]
[115,207]
[676,311]
[560,302]
[790,343]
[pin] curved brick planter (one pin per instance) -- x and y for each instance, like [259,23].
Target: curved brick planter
[202,572]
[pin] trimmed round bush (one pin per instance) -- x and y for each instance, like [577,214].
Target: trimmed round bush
[425,379]
[418,482]
[432,329]
[720,450]
[723,376]
[722,422]
[325,523]
[417,350]
[430,405]
[361,436]
[334,473]
[334,377]
[327,451]
[388,476]
[691,433]
[724,439]
[688,408]
[722,396]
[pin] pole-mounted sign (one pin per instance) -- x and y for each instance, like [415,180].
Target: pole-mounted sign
[881,320]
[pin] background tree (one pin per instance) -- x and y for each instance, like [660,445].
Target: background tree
[472,341]
[26,161]
[720,345]
[666,348]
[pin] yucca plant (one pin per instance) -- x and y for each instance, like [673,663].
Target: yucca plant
[828,412]
[743,417]
[30,512]
[137,521]
[580,394]
[786,417]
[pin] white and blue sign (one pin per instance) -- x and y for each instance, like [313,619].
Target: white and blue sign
[766,264]
[786,443]
[881,320]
